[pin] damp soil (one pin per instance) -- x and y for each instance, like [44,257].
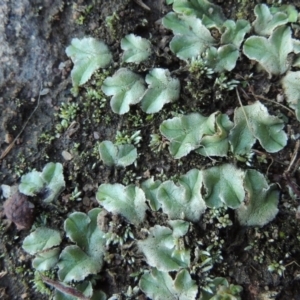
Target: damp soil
[33,38]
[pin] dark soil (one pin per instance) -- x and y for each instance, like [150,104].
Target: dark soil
[33,38]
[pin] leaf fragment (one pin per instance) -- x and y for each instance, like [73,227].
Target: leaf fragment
[209,135]
[223,186]
[217,142]
[31,183]
[76,265]
[126,87]
[117,155]
[290,83]
[254,122]
[191,37]
[41,239]
[271,53]
[234,32]
[51,179]
[150,188]
[162,89]
[162,251]
[159,285]
[46,260]
[210,14]
[128,201]
[184,133]
[222,59]
[183,201]
[78,261]
[88,55]
[54,179]
[268,19]
[136,49]
[180,227]
[262,201]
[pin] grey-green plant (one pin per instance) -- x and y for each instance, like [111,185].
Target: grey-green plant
[164,249]
[150,187]
[262,200]
[192,40]
[43,244]
[271,53]
[50,182]
[126,87]
[136,49]
[88,55]
[129,201]
[74,262]
[184,200]
[203,260]
[162,89]
[75,195]
[184,133]
[85,257]
[224,221]
[159,285]
[198,67]
[267,19]
[234,32]
[191,37]
[221,189]
[210,14]
[288,9]
[198,194]
[223,83]
[253,122]
[194,131]
[215,143]
[193,193]
[115,239]
[158,142]
[290,83]
[222,58]
[117,155]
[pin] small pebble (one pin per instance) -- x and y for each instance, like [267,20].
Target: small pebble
[66,155]
[280,98]
[96,135]
[8,190]
[44,91]
[8,138]
[298,213]
[19,210]
[86,201]
[5,190]
[61,66]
